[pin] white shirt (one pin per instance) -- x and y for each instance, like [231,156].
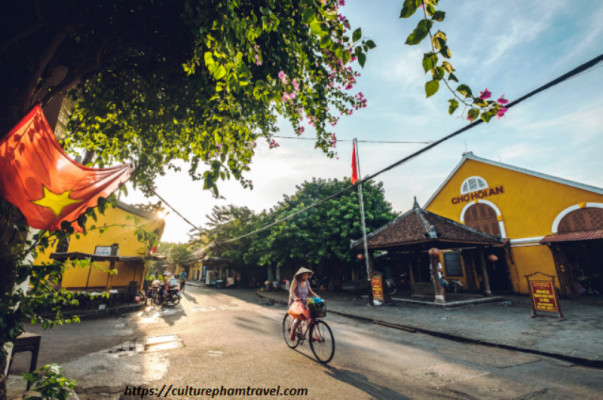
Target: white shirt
[439,270]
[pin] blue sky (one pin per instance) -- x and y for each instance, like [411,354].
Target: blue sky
[510,47]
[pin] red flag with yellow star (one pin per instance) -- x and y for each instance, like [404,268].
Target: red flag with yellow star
[44,183]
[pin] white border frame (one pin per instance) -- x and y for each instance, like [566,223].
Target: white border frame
[568,210]
[501,224]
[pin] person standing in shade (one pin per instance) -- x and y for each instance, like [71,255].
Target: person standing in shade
[443,283]
[183,276]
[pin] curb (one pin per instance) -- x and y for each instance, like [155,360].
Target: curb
[107,312]
[575,360]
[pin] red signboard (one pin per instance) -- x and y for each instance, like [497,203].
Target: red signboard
[377,286]
[544,296]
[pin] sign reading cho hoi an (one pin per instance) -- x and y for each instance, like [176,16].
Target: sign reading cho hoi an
[480,194]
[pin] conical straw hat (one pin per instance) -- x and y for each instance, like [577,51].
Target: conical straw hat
[303,270]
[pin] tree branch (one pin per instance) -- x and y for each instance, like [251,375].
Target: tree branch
[72,79]
[42,63]
[16,39]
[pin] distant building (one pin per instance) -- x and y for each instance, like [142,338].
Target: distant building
[117,248]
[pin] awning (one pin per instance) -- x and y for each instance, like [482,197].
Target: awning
[94,257]
[573,236]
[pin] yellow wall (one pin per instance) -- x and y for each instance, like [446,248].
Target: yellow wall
[528,206]
[75,277]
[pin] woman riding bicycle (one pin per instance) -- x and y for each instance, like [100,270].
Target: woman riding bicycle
[300,288]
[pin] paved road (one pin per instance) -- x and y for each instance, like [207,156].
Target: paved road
[233,339]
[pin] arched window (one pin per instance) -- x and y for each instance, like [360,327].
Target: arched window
[584,219]
[473,184]
[482,217]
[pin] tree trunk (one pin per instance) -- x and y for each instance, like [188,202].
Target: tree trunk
[88,157]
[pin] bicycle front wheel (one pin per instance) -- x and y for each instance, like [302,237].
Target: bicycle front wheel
[322,341]
[287,329]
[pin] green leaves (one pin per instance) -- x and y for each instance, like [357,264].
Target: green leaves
[370,44]
[430,60]
[452,77]
[437,73]
[486,116]
[409,8]
[445,52]
[361,59]
[438,16]
[431,88]
[357,35]
[472,114]
[448,67]
[420,32]
[220,72]
[325,41]
[308,15]
[453,104]
[315,28]
[464,90]
[479,102]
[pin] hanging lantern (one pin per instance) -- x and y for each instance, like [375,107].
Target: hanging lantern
[361,256]
[434,252]
[492,258]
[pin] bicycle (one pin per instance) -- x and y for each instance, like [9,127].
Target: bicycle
[322,341]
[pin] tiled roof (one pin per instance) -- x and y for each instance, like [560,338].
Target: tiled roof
[418,225]
[573,236]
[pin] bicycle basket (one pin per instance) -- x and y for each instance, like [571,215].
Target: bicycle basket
[317,307]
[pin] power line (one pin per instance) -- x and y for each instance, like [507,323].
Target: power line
[347,140]
[180,215]
[562,78]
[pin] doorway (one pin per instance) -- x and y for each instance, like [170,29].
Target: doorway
[498,272]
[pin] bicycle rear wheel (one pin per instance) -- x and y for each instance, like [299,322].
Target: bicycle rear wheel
[322,341]
[287,326]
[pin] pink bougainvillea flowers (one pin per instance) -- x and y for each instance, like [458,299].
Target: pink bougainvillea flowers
[281,75]
[502,100]
[485,94]
[501,112]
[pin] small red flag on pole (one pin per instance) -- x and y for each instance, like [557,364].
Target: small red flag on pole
[354,166]
[44,183]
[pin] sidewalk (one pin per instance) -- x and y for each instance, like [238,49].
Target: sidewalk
[578,339]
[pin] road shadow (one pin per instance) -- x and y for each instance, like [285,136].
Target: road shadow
[190,298]
[357,380]
[254,324]
[170,313]
[361,382]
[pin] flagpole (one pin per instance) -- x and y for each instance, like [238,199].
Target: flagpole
[366,256]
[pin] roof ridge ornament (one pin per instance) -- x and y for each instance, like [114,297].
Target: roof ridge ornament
[415,204]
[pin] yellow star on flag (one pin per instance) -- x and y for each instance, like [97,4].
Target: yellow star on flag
[56,202]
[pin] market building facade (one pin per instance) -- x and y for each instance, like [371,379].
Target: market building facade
[117,249]
[548,224]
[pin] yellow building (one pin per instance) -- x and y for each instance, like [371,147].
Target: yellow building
[116,248]
[551,225]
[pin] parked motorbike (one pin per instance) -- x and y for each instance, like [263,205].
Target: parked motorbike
[390,284]
[170,293]
[454,285]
